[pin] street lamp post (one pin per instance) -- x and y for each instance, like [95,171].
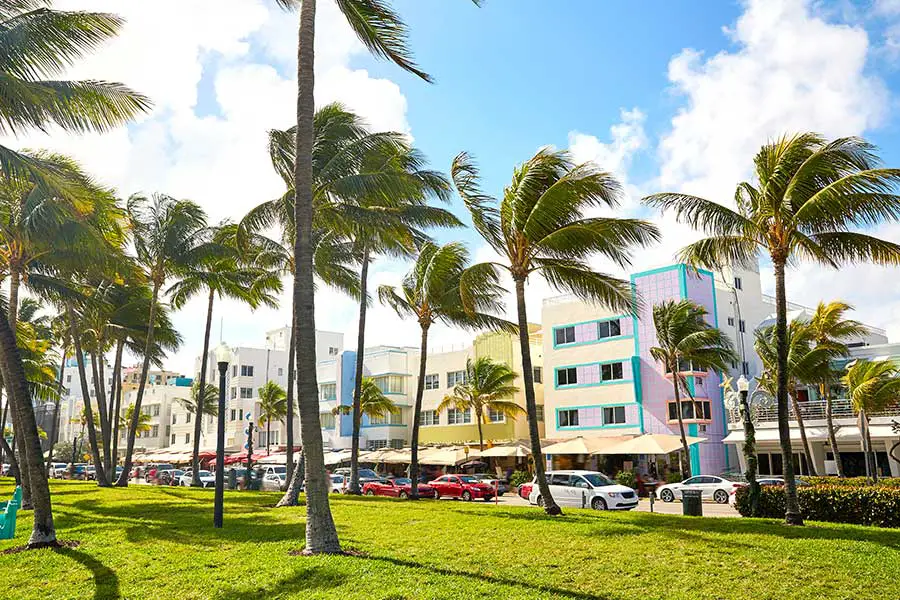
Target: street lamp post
[743,387]
[223,357]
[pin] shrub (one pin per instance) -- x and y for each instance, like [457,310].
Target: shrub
[893,482]
[627,479]
[674,477]
[872,505]
[517,478]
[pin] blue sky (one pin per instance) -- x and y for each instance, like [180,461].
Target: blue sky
[665,94]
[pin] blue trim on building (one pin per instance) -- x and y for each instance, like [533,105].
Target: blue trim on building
[556,386]
[694,451]
[682,281]
[655,271]
[586,427]
[597,341]
[638,390]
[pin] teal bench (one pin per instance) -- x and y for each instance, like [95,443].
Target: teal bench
[8,516]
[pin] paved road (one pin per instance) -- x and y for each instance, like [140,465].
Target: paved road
[673,508]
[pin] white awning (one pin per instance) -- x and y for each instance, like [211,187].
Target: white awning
[814,434]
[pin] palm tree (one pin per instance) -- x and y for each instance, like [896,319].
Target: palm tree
[202,403]
[272,407]
[828,327]
[872,385]
[686,340]
[806,364]
[373,403]
[380,29]
[485,389]
[170,237]
[809,198]
[143,420]
[539,226]
[442,287]
[228,272]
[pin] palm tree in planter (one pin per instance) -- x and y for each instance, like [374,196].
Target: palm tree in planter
[539,227]
[828,327]
[871,385]
[808,202]
[170,237]
[372,401]
[227,272]
[442,287]
[487,388]
[688,342]
[272,407]
[807,364]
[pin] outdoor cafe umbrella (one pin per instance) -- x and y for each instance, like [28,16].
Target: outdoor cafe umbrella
[449,457]
[652,443]
[583,445]
[517,451]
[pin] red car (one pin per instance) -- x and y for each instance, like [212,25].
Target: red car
[461,486]
[525,489]
[400,487]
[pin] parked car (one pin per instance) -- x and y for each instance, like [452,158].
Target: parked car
[274,470]
[365,475]
[711,487]
[525,489]
[466,487]
[338,484]
[207,479]
[58,470]
[586,488]
[398,487]
[493,481]
[274,482]
[169,476]
[779,481]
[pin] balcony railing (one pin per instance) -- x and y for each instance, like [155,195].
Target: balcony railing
[811,411]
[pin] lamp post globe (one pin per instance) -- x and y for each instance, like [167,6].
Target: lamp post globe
[223,357]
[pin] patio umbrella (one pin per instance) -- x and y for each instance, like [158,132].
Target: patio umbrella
[448,457]
[652,443]
[517,451]
[336,458]
[583,445]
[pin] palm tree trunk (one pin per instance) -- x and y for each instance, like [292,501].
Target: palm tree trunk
[15,278]
[290,402]
[480,417]
[268,434]
[114,416]
[357,378]
[806,447]
[43,532]
[550,505]
[201,388]
[871,457]
[54,432]
[292,493]
[750,454]
[321,534]
[86,395]
[417,410]
[142,384]
[685,451]
[829,421]
[12,317]
[792,506]
[104,422]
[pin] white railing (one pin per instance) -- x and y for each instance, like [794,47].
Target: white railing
[811,411]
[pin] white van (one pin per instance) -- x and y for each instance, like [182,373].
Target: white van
[584,489]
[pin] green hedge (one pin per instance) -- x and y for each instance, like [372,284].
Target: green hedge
[517,478]
[627,478]
[873,505]
[853,481]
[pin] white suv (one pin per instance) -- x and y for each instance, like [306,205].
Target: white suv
[584,489]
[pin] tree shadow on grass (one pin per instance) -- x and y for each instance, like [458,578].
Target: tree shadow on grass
[106,582]
[499,581]
[308,578]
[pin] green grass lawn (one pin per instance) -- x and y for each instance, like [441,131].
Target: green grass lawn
[150,542]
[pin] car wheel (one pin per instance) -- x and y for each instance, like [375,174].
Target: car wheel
[721,496]
[370,493]
[467,496]
[404,495]
[437,495]
[667,496]
[540,501]
[598,504]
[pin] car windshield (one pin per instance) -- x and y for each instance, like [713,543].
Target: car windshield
[337,478]
[368,473]
[597,479]
[281,470]
[402,481]
[204,473]
[468,479]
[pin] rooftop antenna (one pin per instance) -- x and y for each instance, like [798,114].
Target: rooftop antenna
[221,325]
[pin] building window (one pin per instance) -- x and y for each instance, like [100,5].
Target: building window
[273,437]
[246,392]
[246,370]
[742,326]
[233,393]
[233,414]
[567,376]
[154,431]
[698,410]
[538,374]
[568,418]
[608,329]
[613,415]
[698,381]
[187,418]
[731,321]
[234,370]
[326,420]
[155,410]
[565,335]
[433,381]
[332,351]
[738,284]
[390,384]
[734,364]
[458,417]
[328,391]
[174,419]
[280,372]
[377,444]
[496,416]
[172,439]
[455,377]
[745,368]
[428,417]
[187,438]
[68,378]
[611,372]
[398,444]
[168,430]
[539,410]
